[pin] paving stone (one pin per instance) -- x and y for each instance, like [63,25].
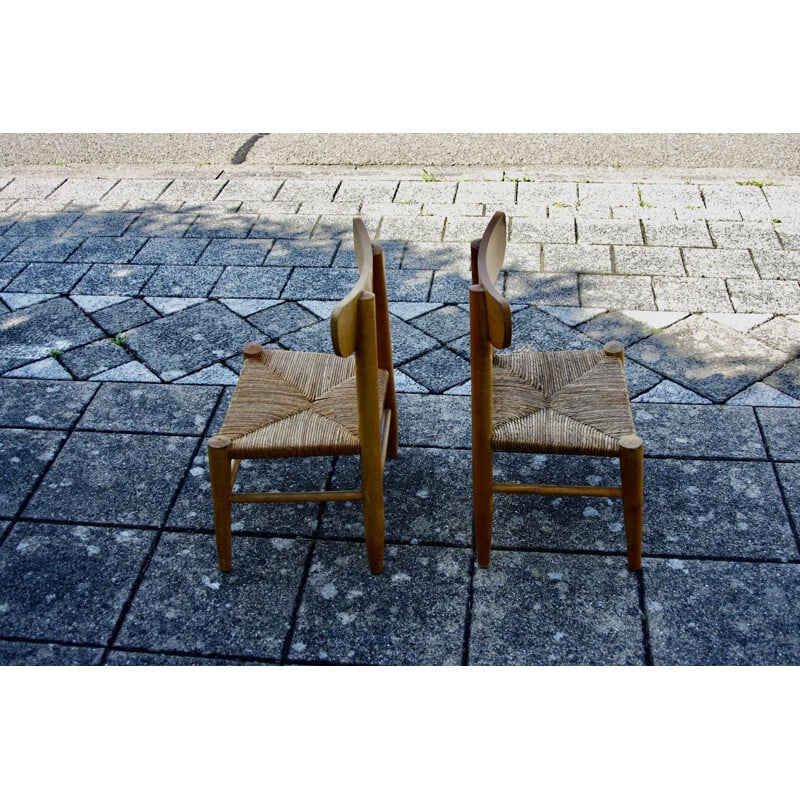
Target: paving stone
[438,370]
[150,409]
[130,372]
[256,189]
[45,248]
[577,258]
[490,193]
[24,455]
[7,245]
[302,190]
[44,224]
[455,210]
[107,249]
[31,187]
[281,319]
[670,392]
[310,254]
[185,604]
[42,404]
[94,358]
[535,609]
[115,279]
[618,232]
[572,316]
[103,224]
[137,190]
[412,614]
[636,213]
[113,478]
[677,234]
[789,477]
[782,432]
[434,421]
[322,284]
[773,264]
[789,235]
[786,379]
[715,361]
[641,380]
[47,278]
[444,323]
[782,333]
[68,583]
[420,228]
[749,201]
[215,375]
[165,250]
[608,194]
[83,190]
[744,234]
[181,281]
[551,290]
[435,508]
[190,339]
[192,189]
[464,229]
[276,225]
[361,190]
[671,195]
[229,252]
[193,510]
[648,260]
[46,369]
[161,222]
[447,256]
[740,322]
[533,329]
[120,317]
[257,282]
[781,297]
[340,226]
[24,654]
[32,333]
[723,509]
[698,431]
[14,301]
[547,192]
[426,192]
[706,613]
[761,394]
[719,263]
[691,294]
[221,225]
[392,256]
[613,291]
[622,326]
[553,229]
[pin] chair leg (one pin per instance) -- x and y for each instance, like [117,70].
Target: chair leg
[631,462]
[482,506]
[373,510]
[219,467]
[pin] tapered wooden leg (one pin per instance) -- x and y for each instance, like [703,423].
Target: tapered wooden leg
[374,531]
[219,467]
[631,462]
[482,507]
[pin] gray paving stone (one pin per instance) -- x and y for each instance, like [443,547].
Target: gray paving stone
[24,455]
[275,225]
[533,329]
[749,201]
[715,361]
[7,246]
[221,225]
[789,235]
[447,256]
[625,327]
[68,583]
[445,323]
[698,431]
[438,370]
[181,281]
[165,250]
[560,229]
[706,613]
[420,228]
[42,404]
[121,317]
[434,421]
[83,190]
[457,209]
[37,187]
[161,222]
[613,231]
[193,189]
[616,291]
[185,604]
[307,254]
[9,270]
[113,478]
[409,286]
[257,282]
[115,279]
[47,278]
[463,229]
[677,234]
[577,258]
[641,380]
[490,193]
[340,226]
[250,188]
[411,614]
[671,195]
[149,408]
[188,340]
[365,190]
[23,654]
[45,248]
[118,250]
[303,190]
[281,319]
[744,234]
[93,359]
[426,192]
[789,477]
[776,264]
[42,224]
[434,507]
[782,333]
[782,432]
[608,194]
[32,333]
[761,394]
[757,296]
[719,263]
[691,294]
[103,224]
[630,260]
[137,189]
[723,509]
[534,609]
[392,256]
[321,284]
[637,213]
[553,289]
[547,192]
[786,379]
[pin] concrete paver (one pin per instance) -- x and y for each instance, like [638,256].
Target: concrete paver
[127,292]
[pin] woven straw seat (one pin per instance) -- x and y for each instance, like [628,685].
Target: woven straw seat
[561,402]
[294,404]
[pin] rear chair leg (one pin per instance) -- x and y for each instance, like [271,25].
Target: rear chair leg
[219,467]
[631,462]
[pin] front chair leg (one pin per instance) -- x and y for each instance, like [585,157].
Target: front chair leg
[631,462]
[219,467]
[373,509]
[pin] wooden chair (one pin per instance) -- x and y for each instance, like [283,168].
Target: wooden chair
[566,402]
[294,404]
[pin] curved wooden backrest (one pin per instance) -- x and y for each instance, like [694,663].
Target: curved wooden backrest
[344,317]
[490,261]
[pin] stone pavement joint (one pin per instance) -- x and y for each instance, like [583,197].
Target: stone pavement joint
[127,292]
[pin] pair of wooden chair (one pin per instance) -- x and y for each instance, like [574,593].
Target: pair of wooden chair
[291,404]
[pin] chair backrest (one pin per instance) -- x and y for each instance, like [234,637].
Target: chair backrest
[487,262]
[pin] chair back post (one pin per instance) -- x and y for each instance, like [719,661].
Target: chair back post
[486,266]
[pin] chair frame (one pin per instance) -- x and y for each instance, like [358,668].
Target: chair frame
[359,327]
[490,328]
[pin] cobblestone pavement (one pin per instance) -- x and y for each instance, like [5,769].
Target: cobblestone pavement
[125,300]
